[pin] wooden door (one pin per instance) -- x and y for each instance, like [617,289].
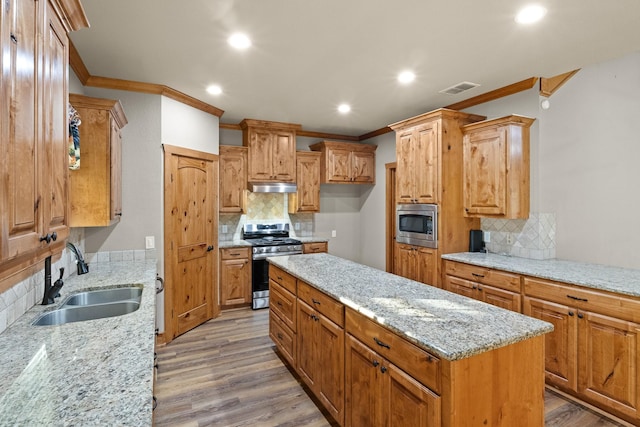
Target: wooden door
[409,403]
[484,172]
[307,354]
[425,163]
[500,298]
[330,339]
[608,362]
[338,165]
[363,167]
[233,179]
[260,154]
[307,198]
[427,266]
[21,203]
[405,262]
[55,127]
[283,156]
[235,281]
[390,212]
[560,345]
[191,224]
[362,387]
[116,170]
[405,167]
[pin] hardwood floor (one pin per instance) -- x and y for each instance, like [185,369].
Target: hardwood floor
[227,373]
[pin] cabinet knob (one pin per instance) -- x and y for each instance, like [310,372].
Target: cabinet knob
[571,313]
[383,369]
[209,248]
[580,315]
[376,363]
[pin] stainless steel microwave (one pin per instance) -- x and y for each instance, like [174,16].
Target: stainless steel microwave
[417,224]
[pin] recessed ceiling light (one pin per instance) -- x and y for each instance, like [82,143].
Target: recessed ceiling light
[530,14]
[214,90]
[239,41]
[344,108]
[406,77]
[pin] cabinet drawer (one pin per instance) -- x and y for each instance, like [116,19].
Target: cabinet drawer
[283,303]
[312,248]
[322,302]
[617,306]
[488,276]
[282,278]
[235,253]
[283,337]
[417,362]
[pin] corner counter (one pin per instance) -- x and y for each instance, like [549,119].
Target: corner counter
[96,372]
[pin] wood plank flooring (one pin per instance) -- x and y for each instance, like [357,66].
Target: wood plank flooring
[227,373]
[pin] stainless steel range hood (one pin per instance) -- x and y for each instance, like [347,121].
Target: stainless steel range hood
[272,187]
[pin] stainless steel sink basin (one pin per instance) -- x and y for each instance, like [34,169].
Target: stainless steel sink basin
[103,296]
[79,313]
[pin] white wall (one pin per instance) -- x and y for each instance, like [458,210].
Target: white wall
[187,127]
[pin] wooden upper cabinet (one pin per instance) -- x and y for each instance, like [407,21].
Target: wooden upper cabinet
[417,159]
[496,168]
[272,150]
[233,179]
[96,187]
[346,162]
[307,198]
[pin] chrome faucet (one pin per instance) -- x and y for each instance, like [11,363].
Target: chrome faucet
[51,292]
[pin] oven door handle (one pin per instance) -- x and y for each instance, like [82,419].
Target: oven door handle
[257,257]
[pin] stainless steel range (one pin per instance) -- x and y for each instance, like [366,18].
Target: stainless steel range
[267,240]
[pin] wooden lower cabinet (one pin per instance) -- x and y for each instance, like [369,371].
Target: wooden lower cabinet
[416,263]
[315,247]
[380,394]
[235,277]
[594,350]
[495,296]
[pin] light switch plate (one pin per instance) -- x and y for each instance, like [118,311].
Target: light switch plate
[333,233]
[150,242]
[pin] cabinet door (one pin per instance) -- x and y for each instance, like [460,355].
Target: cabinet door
[405,261]
[608,362]
[425,164]
[500,298]
[560,345]
[116,171]
[410,404]
[330,367]
[462,287]
[363,390]
[260,148]
[307,198]
[55,161]
[363,167]
[21,204]
[485,172]
[233,179]
[307,354]
[235,282]
[283,156]
[404,167]
[426,266]
[338,165]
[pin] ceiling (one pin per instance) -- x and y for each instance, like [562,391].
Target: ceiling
[309,56]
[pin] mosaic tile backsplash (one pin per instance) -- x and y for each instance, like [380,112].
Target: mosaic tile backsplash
[533,238]
[265,208]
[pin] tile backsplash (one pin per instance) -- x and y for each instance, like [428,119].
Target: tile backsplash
[533,238]
[265,208]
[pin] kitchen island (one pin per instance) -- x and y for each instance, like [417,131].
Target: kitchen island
[95,372]
[473,364]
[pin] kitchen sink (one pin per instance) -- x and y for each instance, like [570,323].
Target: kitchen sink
[79,313]
[104,296]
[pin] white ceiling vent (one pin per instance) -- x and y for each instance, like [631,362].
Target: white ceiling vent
[460,87]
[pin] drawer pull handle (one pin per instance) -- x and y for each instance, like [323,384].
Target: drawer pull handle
[279,277]
[429,358]
[315,301]
[234,254]
[375,363]
[280,336]
[381,344]
[478,275]
[279,303]
[577,298]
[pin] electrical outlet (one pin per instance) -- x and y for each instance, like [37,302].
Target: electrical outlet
[333,233]
[296,226]
[225,228]
[150,242]
[487,237]
[509,239]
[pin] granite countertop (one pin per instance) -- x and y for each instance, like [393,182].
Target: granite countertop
[613,279]
[96,372]
[238,243]
[449,325]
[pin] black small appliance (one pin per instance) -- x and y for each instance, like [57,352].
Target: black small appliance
[476,244]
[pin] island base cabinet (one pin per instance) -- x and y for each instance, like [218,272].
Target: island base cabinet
[380,394]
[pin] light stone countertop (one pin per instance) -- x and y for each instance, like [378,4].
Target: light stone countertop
[449,325]
[96,372]
[613,279]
